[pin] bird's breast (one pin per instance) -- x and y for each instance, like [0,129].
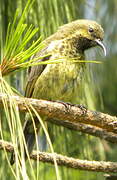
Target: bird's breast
[59,81]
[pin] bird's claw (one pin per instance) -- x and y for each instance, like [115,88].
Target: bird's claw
[82,107]
[68,106]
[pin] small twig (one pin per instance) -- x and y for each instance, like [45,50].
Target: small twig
[98,166]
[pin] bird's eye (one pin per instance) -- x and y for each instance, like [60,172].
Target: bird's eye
[91,30]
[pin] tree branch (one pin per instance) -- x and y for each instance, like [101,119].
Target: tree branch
[98,166]
[70,116]
[88,129]
[110,177]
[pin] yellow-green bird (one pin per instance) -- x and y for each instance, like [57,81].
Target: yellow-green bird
[61,81]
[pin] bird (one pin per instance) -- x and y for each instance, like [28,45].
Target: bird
[60,81]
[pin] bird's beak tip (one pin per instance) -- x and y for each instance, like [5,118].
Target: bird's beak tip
[99,43]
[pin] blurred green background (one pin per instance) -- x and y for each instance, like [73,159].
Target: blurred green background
[100,88]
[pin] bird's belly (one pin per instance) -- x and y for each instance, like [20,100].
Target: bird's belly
[59,82]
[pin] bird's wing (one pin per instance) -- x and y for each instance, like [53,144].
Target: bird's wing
[34,72]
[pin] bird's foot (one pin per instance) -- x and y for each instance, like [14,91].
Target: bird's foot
[68,106]
[82,107]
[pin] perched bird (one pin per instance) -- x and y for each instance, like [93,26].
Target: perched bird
[61,81]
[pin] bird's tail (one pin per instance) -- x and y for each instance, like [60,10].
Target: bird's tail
[29,134]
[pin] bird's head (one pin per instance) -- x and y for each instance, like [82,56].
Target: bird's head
[90,34]
[85,33]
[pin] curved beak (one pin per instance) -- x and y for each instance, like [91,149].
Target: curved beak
[99,43]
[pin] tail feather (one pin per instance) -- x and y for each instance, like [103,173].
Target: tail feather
[29,134]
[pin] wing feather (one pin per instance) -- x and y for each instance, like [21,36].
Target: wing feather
[34,72]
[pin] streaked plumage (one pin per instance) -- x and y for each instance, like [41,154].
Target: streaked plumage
[61,81]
